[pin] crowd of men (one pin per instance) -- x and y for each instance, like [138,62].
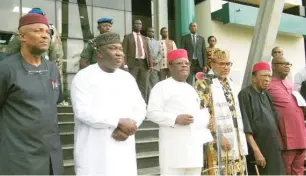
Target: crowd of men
[260,128]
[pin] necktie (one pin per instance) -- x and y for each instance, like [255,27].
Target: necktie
[139,46]
[194,46]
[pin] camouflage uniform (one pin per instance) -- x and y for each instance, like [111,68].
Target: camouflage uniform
[54,53]
[89,52]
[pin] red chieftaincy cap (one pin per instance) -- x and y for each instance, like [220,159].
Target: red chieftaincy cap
[32,18]
[261,66]
[177,54]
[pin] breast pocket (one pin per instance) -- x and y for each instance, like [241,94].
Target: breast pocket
[281,97]
[54,86]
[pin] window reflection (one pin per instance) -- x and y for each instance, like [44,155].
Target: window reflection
[113,4]
[47,6]
[74,48]
[9,11]
[79,26]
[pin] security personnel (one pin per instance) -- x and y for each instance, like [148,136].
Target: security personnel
[88,55]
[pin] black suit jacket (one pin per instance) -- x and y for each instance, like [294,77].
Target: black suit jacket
[200,48]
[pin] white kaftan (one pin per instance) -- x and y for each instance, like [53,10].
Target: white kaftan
[99,100]
[179,146]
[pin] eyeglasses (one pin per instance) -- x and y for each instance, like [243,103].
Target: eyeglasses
[224,64]
[181,63]
[287,64]
[32,72]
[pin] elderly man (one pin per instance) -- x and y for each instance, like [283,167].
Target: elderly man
[106,116]
[175,106]
[218,93]
[29,91]
[88,55]
[261,124]
[291,117]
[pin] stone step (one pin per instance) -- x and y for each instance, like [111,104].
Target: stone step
[149,171]
[142,146]
[142,133]
[145,161]
[66,123]
[64,109]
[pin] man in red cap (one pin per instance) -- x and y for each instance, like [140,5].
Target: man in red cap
[261,124]
[288,102]
[175,106]
[29,91]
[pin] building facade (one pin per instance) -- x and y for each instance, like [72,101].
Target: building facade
[76,22]
[233,23]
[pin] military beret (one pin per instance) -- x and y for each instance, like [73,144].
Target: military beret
[107,38]
[105,20]
[37,11]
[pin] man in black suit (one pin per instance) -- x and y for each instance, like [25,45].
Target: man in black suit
[196,48]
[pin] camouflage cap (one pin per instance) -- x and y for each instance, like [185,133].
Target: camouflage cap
[220,54]
[107,38]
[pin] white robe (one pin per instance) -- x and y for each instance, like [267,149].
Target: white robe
[179,146]
[99,100]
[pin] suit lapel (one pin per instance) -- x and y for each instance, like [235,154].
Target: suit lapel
[190,39]
[132,39]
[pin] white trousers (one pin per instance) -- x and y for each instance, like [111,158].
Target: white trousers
[181,171]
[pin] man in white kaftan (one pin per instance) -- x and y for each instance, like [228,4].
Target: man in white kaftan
[175,106]
[108,108]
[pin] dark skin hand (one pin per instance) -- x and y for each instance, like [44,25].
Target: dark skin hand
[225,145]
[127,126]
[119,135]
[83,63]
[184,119]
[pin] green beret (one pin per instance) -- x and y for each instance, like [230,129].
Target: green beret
[107,38]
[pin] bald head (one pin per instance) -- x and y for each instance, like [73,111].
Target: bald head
[277,51]
[193,27]
[280,67]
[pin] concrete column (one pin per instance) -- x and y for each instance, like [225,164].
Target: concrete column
[159,16]
[264,37]
[184,14]
[203,16]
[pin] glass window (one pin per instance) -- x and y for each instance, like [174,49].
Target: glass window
[116,15]
[74,49]
[112,4]
[86,2]
[10,14]
[75,21]
[47,6]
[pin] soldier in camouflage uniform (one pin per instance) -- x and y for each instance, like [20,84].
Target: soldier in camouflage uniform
[88,55]
[55,52]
